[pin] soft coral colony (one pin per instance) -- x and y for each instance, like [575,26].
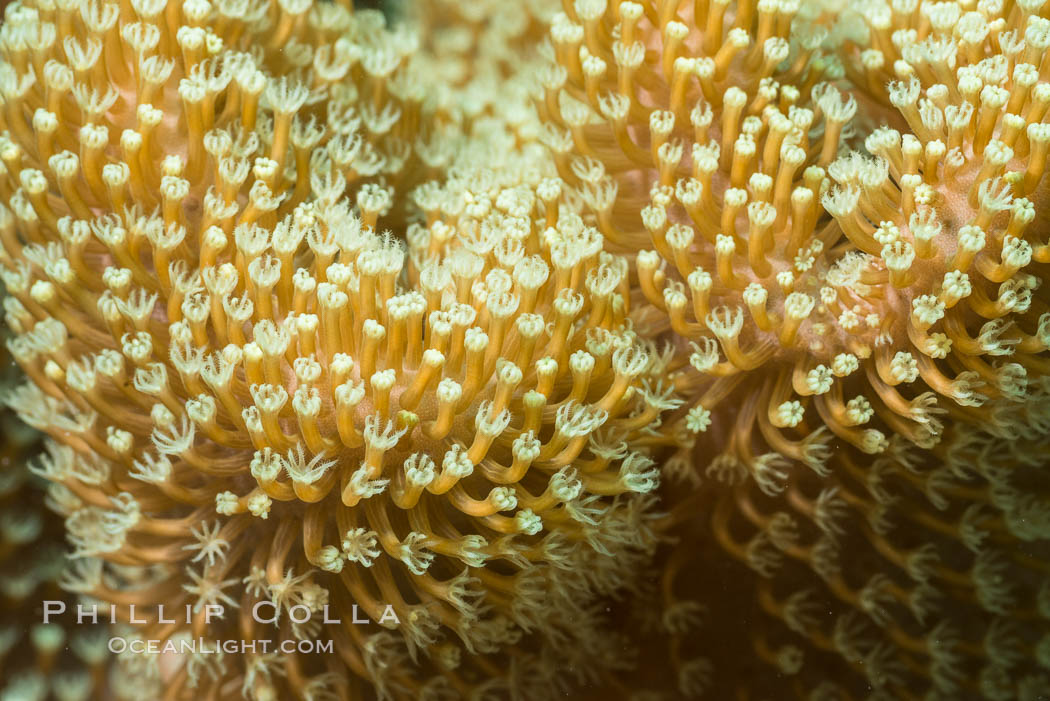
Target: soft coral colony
[866,394]
[782,257]
[254,393]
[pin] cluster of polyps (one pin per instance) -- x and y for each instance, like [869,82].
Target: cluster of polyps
[942,215]
[704,144]
[916,572]
[703,131]
[927,556]
[259,397]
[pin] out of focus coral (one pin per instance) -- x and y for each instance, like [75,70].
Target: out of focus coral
[253,395]
[477,42]
[55,660]
[481,60]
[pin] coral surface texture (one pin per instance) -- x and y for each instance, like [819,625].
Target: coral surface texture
[525,349]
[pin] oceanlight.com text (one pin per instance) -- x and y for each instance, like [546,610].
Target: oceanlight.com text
[199,646]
